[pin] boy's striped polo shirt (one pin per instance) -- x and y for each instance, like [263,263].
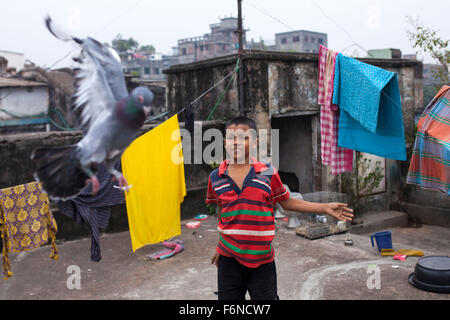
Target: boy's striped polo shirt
[247,225]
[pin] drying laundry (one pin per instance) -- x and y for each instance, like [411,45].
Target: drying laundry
[430,160]
[154,165]
[340,159]
[371,117]
[26,222]
[95,210]
[173,248]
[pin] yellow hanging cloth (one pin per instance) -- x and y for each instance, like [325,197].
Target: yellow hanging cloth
[153,165]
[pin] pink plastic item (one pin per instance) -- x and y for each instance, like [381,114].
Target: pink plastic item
[400,257]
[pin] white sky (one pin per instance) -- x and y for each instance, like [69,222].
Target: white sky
[372,24]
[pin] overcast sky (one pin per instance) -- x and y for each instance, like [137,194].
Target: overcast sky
[372,24]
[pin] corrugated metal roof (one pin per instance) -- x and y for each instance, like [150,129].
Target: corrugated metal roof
[12,82]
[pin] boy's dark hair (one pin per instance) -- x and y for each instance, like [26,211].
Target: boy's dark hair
[242,120]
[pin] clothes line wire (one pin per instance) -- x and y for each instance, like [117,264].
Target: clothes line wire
[236,69]
[264,11]
[339,26]
[99,31]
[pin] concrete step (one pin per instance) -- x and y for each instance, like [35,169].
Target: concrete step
[375,221]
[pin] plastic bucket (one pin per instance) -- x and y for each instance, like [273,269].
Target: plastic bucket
[383,240]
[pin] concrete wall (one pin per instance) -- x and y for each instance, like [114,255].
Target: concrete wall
[15,60]
[24,101]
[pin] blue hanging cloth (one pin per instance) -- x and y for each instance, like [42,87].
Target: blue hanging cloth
[371,117]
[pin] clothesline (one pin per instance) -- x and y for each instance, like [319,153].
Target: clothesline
[214,86]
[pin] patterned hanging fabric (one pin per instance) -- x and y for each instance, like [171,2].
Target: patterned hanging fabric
[430,160]
[26,222]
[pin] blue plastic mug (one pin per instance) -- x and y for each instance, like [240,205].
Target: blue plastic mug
[383,240]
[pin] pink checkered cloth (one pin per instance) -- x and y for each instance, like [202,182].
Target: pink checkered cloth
[340,159]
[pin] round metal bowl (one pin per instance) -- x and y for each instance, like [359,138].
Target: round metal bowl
[432,273]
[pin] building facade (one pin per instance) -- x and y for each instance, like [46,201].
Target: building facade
[222,40]
[15,60]
[300,41]
[148,67]
[23,106]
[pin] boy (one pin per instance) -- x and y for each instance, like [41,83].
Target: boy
[245,192]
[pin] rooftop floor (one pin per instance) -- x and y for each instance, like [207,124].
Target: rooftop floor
[307,269]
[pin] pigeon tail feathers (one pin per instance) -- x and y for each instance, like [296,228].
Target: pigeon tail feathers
[59,32]
[59,171]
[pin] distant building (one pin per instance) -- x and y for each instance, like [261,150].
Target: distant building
[429,74]
[260,45]
[387,53]
[300,41]
[23,105]
[410,56]
[15,60]
[147,67]
[222,40]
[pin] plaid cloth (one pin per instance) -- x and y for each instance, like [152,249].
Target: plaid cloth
[340,159]
[95,210]
[430,161]
[26,222]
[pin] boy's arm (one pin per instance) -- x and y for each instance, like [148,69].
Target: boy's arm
[337,210]
[219,211]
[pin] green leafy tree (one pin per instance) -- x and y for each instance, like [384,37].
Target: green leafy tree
[428,41]
[124,45]
[149,49]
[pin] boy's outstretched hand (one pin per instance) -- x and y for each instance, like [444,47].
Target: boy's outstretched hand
[339,211]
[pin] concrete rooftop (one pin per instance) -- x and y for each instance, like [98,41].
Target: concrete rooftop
[307,269]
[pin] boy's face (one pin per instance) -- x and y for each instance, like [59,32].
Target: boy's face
[240,140]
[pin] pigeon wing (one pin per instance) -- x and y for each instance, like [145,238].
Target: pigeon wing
[111,66]
[93,95]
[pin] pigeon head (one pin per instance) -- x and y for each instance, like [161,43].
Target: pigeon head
[142,97]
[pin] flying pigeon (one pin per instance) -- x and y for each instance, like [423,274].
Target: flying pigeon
[110,119]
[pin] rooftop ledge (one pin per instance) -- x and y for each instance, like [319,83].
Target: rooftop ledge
[280,56]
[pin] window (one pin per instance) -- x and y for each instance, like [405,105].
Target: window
[147,70]
[296,39]
[320,41]
[183,51]
[155,70]
[313,39]
[202,48]
[283,40]
[306,38]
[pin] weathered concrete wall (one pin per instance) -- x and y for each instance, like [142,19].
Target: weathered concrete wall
[188,82]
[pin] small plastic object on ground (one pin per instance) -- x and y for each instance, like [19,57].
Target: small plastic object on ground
[193,224]
[348,242]
[201,217]
[407,252]
[400,257]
